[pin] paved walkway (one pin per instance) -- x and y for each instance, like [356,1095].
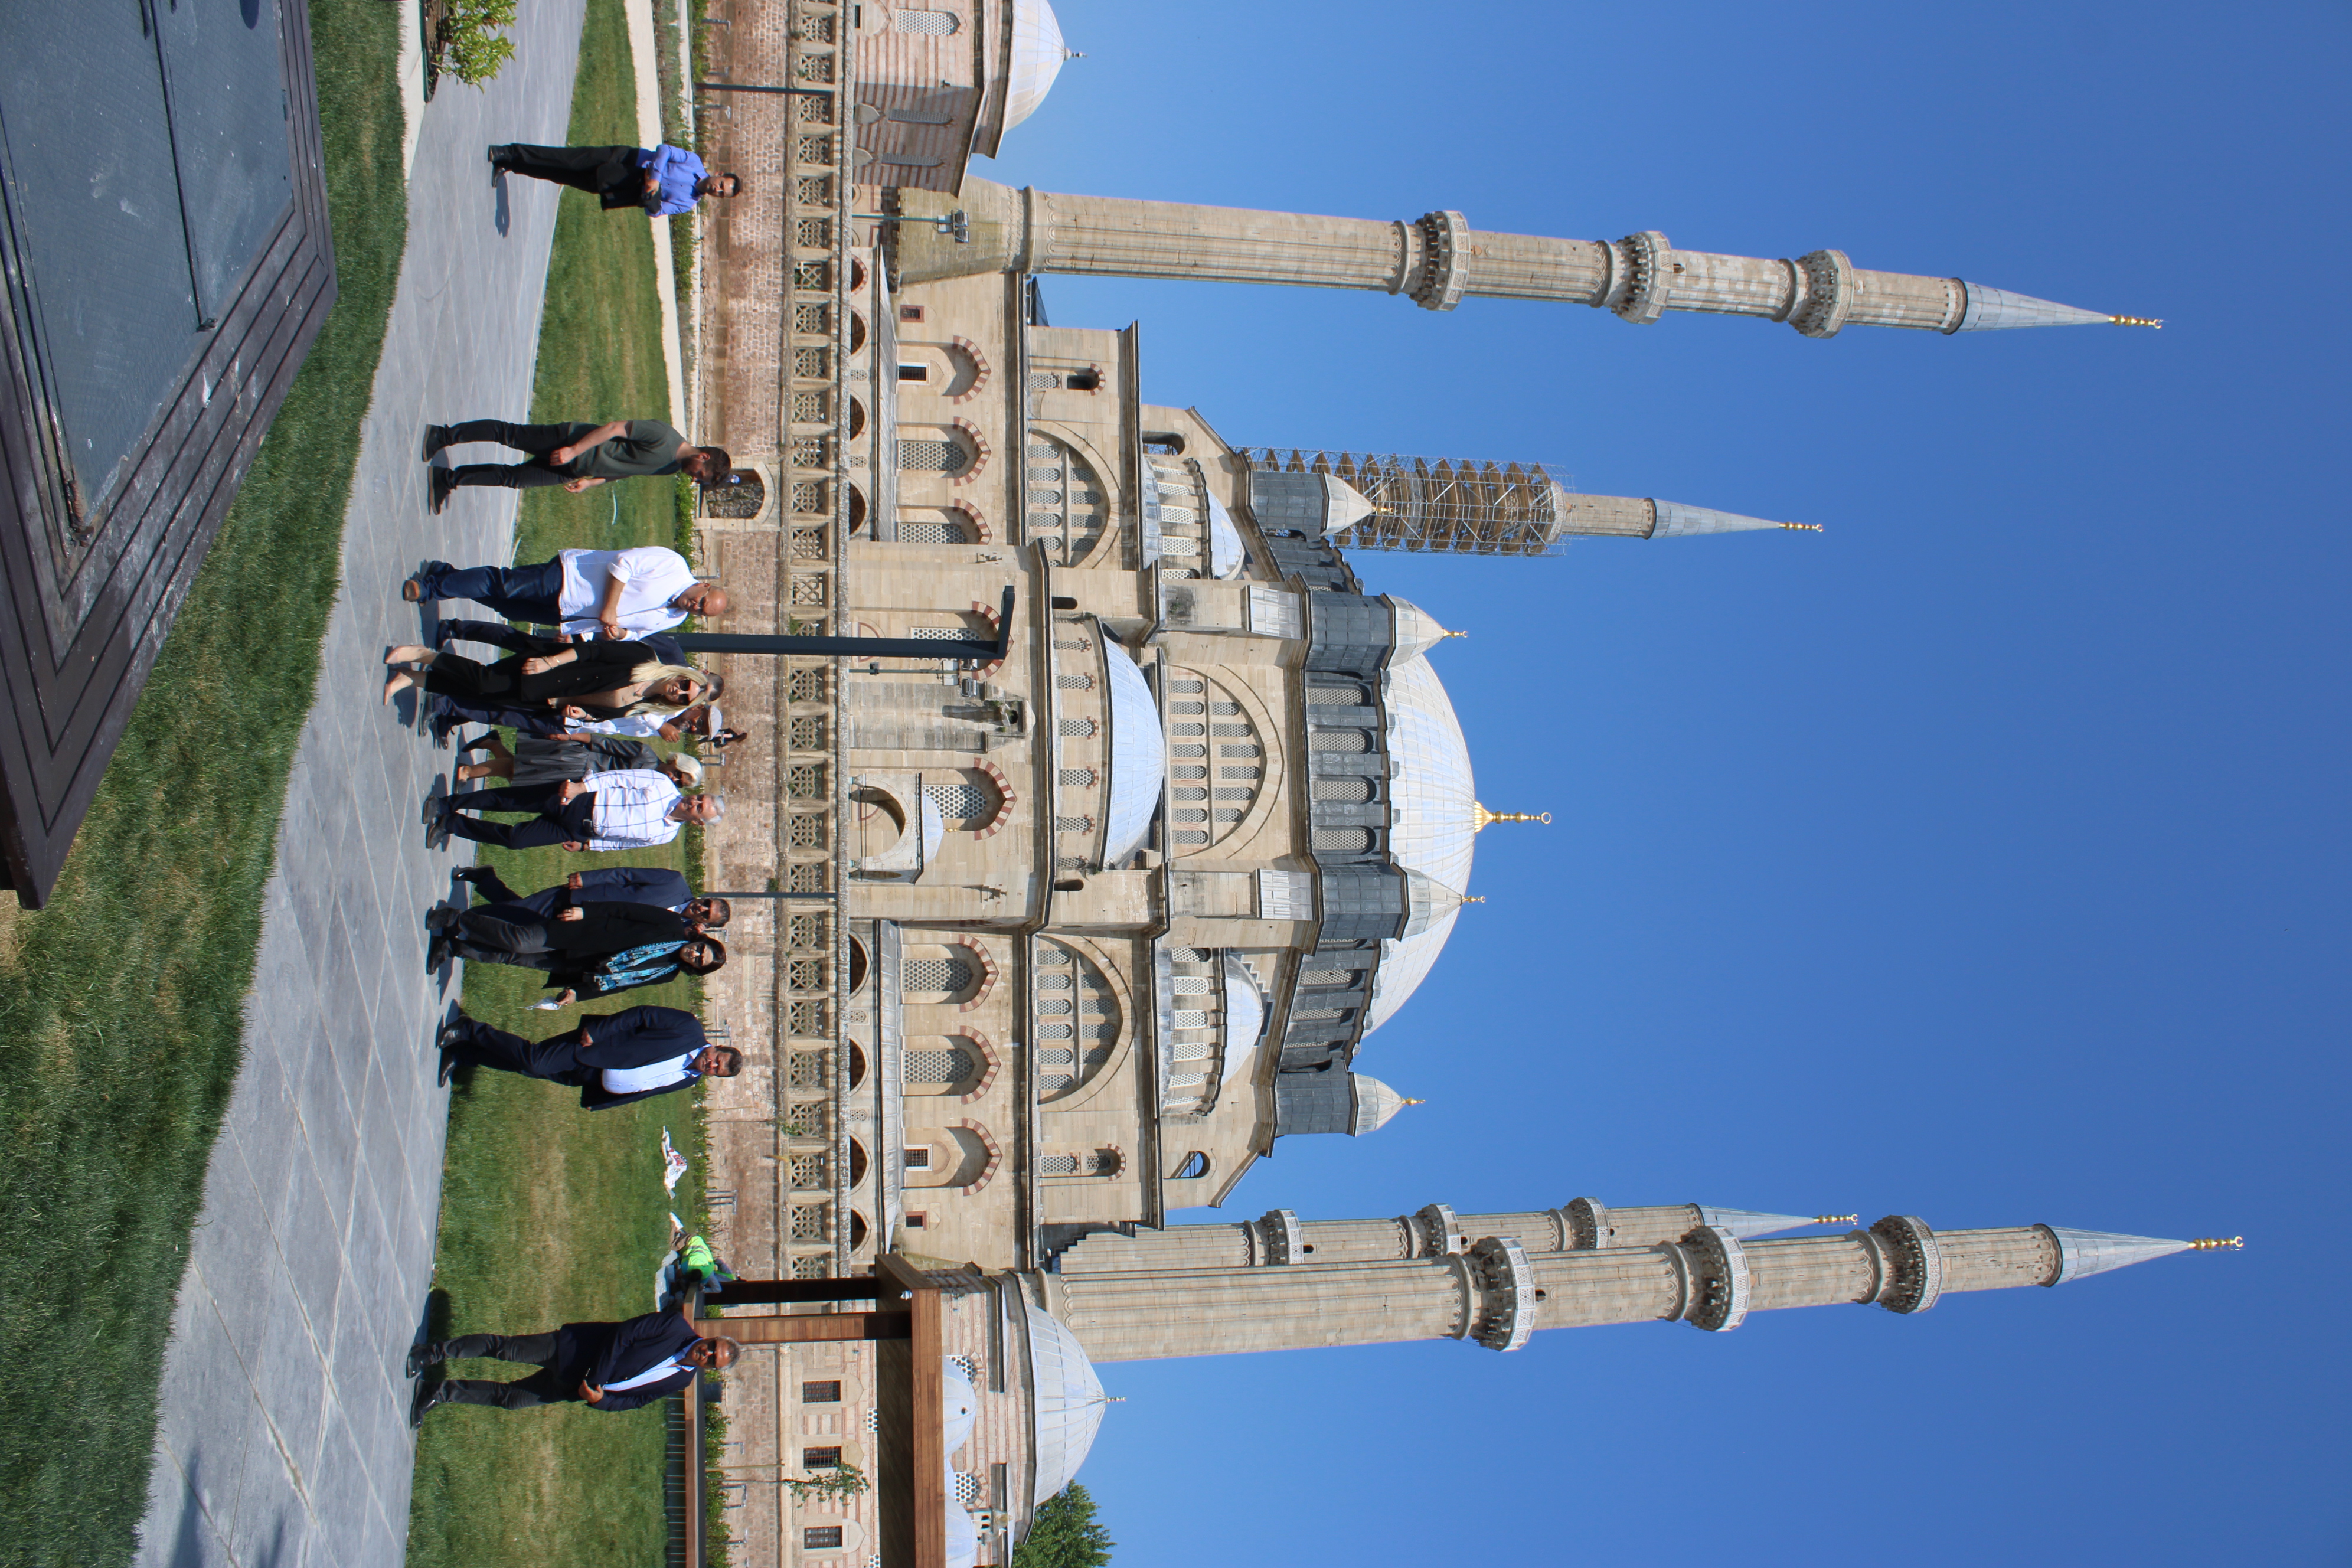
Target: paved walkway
[284,1437]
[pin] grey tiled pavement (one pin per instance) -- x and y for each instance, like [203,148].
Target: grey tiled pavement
[284,1437]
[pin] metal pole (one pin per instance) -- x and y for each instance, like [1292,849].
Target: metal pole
[961,649]
[748,87]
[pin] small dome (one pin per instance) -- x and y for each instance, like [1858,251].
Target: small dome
[1036,59]
[1375,1103]
[1066,1403]
[1245,1017]
[1139,757]
[1417,631]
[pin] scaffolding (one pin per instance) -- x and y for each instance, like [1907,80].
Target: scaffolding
[1440,505]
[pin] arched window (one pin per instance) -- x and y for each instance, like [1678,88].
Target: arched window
[937,1064]
[968,800]
[1194,1166]
[1067,506]
[1077,1019]
[739,496]
[1353,791]
[935,531]
[932,455]
[936,973]
[1342,840]
[931,24]
[1345,743]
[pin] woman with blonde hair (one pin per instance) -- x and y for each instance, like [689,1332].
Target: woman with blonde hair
[558,759]
[587,681]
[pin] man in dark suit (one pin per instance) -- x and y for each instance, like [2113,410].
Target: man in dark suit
[612,1366]
[611,1060]
[656,885]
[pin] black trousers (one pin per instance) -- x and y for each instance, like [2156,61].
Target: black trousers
[537,439]
[609,173]
[550,1059]
[504,933]
[551,1385]
[557,822]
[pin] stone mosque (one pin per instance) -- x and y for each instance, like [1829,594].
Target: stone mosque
[1069,941]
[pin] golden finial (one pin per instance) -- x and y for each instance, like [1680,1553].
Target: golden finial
[1416,1102]
[1480,899]
[1456,635]
[1486,816]
[1807,527]
[2218,1243]
[1837,1219]
[2154,321]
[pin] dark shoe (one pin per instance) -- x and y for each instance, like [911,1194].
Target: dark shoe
[441,1081]
[497,164]
[444,633]
[437,954]
[445,483]
[425,1398]
[438,438]
[421,1356]
[478,741]
[440,920]
[456,1032]
[444,725]
[468,874]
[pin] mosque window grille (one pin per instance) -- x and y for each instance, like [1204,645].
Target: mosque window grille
[1054,957]
[1073,645]
[967,1485]
[820,1458]
[805,974]
[1184,709]
[812,1268]
[1067,509]
[1239,751]
[814,109]
[809,544]
[827,1391]
[916,1157]
[820,1537]
[804,781]
[1078,728]
[812,1222]
[1251,776]
[813,67]
[1074,824]
[806,686]
[944,976]
[807,1017]
[806,930]
[1191,772]
[1192,839]
[1192,1020]
[1342,840]
[816,191]
[1073,683]
[1189,796]
[1330,977]
[807,733]
[814,149]
[808,1069]
[1348,791]
[811,364]
[1316,1014]
[812,1172]
[929,454]
[805,830]
[1187,685]
[809,408]
[1076,778]
[807,876]
[808,497]
[1189,731]
[1057,1165]
[932,23]
[911,372]
[929,1067]
[1235,792]
[1053,1008]
[962,803]
[812,452]
[813,234]
[929,532]
[816,29]
[1055,980]
[1341,743]
[1230,732]
[1043,380]
[813,318]
[873,1422]
[1190,984]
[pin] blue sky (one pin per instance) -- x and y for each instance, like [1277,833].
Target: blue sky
[1981,857]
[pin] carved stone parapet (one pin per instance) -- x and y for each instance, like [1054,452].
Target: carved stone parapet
[1716,1290]
[1436,1232]
[1445,270]
[1588,1225]
[1640,295]
[1911,1264]
[1503,1288]
[1825,279]
[1280,1238]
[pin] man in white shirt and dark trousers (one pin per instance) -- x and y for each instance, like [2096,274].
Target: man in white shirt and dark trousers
[628,1055]
[620,593]
[611,1366]
[628,808]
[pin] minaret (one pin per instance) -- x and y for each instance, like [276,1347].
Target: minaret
[1442,506]
[1436,261]
[1498,1289]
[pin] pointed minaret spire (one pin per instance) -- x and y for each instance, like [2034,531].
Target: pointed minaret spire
[2083,1253]
[1437,260]
[1453,507]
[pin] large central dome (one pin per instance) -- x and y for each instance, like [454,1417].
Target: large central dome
[1437,822]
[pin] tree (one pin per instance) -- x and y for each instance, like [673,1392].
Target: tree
[1065,1534]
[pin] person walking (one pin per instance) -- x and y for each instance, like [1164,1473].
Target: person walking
[585,593]
[656,885]
[611,1367]
[577,455]
[589,949]
[660,182]
[588,680]
[553,759]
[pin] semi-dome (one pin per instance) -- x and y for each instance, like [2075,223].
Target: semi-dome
[1245,1017]
[1139,757]
[1227,554]
[1036,59]
[1066,1404]
[1375,1103]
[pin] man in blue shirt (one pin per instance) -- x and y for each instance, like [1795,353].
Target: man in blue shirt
[660,182]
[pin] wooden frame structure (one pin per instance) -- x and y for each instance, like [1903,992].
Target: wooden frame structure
[911,1468]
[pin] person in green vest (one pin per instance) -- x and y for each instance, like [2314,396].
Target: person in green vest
[577,457]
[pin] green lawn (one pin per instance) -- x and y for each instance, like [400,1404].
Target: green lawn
[120,1004]
[549,1213]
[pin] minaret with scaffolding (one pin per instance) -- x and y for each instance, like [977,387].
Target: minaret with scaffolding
[1368,500]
